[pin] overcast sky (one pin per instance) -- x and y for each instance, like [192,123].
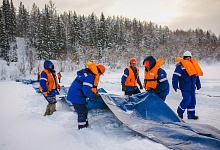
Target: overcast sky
[176,14]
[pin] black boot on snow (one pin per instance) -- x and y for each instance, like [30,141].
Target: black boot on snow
[194,117]
[181,116]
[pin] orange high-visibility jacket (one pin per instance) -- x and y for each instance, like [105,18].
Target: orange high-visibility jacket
[150,77]
[59,75]
[130,80]
[192,67]
[51,83]
[93,68]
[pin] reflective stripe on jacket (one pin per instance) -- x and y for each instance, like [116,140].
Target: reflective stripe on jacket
[182,80]
[85,85]
[81,87]
[49,83]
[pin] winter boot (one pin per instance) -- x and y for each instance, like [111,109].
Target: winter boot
[47,112]
[194,117]
[53,108]
[181,116]
[87,124]
[80,126]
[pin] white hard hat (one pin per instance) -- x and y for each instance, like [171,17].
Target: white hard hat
[187,53]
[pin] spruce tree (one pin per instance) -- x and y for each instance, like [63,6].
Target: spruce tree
[2,35]
[12,34]
[13,23]
[33,28]
[60,39]
[101,36]
[92,31]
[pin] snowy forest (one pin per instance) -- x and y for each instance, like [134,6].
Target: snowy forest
[73,39]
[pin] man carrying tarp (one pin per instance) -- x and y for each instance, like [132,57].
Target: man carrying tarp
[85,85]
[155,78]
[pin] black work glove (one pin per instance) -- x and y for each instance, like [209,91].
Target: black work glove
[141,87]
[123,87]
[58,92]
[152,90]
[156,91]
[139,82]
[175,89]
[97,96]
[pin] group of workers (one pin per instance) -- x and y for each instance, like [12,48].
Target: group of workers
[185,78]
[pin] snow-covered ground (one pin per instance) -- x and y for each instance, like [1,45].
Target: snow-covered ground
[23,126]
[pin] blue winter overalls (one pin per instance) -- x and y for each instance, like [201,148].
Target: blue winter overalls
[187,85]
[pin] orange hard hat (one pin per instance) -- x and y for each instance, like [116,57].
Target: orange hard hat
[101,68]
[133,61]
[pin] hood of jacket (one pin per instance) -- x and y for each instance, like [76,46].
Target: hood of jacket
[47,64]
[151,60]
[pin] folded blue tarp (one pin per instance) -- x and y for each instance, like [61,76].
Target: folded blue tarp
[26,81]
[36,86]
[91,103]
[96,103]
[148,115]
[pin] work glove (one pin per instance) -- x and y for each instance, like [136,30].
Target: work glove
[141,87]
[58,93]
[97,96]
[151,90]
[123,87]
[58,87]
[156,90]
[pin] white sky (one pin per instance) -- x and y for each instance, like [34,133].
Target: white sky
[176,14]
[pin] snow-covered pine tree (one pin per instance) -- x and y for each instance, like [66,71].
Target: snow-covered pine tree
[101,37]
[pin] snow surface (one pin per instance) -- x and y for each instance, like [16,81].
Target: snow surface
[23,126]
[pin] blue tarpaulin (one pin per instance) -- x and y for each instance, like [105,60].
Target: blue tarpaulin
[91,102]
[148,115]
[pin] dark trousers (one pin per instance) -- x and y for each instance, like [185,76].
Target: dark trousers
[82,113]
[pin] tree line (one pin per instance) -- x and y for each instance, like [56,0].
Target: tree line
[111,40]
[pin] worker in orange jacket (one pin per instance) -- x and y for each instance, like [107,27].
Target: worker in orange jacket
[49,86]
[130,79]
[59,76]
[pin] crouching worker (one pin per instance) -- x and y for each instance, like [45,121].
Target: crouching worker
[85,86]
[49,86]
